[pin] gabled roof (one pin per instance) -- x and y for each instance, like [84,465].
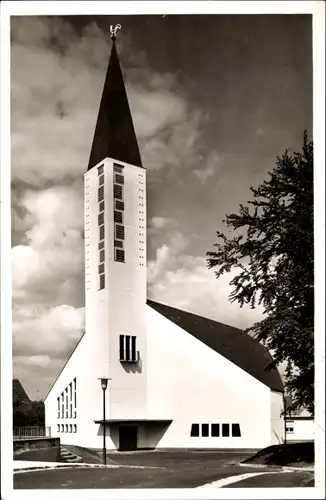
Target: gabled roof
[114,133]
[238,347]
[19,392]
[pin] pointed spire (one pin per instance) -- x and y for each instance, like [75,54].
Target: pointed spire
[114,133]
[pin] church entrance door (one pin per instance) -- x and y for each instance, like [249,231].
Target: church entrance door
[128,438]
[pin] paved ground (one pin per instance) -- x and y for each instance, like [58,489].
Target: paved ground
[173,470]
[284,480]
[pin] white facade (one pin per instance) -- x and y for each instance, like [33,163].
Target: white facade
[300,429]
[179,392]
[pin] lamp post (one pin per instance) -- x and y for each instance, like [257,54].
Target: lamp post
[104,384]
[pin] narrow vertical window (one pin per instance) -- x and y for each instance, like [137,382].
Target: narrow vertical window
[194,430]
[127,347]
[70,400]
[100,170]
[215,430]
[67,410]
[58,401]
[62,405]
[101,180]
[133,348]
[225,430]
[121,347]
[102,281]
[204,430]
[75,398]
[236,430]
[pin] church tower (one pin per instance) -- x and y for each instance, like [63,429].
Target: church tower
[115,252]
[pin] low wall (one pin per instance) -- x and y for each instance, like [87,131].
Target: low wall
[44,449]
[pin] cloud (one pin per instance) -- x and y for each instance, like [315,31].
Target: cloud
[209,167]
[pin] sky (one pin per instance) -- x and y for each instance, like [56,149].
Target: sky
[214,99]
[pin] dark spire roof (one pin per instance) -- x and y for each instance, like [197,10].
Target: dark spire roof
[114,133]
[18,392]
[238,347]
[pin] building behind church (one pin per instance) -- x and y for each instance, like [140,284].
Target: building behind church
[176,380]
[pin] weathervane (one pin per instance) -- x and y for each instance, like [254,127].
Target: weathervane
[114,30]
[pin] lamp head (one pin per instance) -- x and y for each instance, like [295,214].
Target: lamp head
[104,382]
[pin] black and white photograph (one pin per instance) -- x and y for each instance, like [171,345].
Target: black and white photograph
[159,290]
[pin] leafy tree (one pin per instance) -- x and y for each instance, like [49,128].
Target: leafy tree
[28,413]
[272,247]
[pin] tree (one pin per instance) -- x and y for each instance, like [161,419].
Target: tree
[272,247]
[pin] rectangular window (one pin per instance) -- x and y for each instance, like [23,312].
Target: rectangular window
[102,233]
[118,217]
[101,206]
[225,430]
[101,245]
[101,269]
[204,430]
[194,430]
[58,428]
[119,205]
[119,232]
[70,416]
[289,429]
[100,193]
[70,428]
[117,191]
[119,179]
[62,428]
[67,405]
[102,255]
[236,430]
[133,349]
[74,428]
[75,398]
[121,347]
[215,430]
[127,337]
[58,400]
[100,219]
[118,168]
[118,244]
[62,405]
[66,427]
[100,170]
[102,281]
[101,180]
[119,255]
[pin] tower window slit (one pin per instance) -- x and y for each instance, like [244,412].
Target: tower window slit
[119,205]
[101,245]
[119,255]
[102,255]
[102,281]
[117,191]
[101,206]
[100,219]
[119,232]
[101,180]
[102,233]
[118,217]
[101,269]
[119,179]
[100,193]
[100,170]
[118,168]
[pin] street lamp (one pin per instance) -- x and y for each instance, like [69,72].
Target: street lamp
[104,384]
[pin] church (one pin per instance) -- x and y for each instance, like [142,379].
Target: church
[175,379]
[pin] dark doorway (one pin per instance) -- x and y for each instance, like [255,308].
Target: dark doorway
[128,438]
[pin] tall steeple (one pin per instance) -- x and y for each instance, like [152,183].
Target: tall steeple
[114,133]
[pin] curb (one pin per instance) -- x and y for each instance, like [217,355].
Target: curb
[81,466]
[280,467]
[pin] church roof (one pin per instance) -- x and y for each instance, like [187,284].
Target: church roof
[232,343]
[18,392]
[114,132]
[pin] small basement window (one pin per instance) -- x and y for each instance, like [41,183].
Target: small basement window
[225,430]
[236,430]
[194,432]
[215,430]
[204,430]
